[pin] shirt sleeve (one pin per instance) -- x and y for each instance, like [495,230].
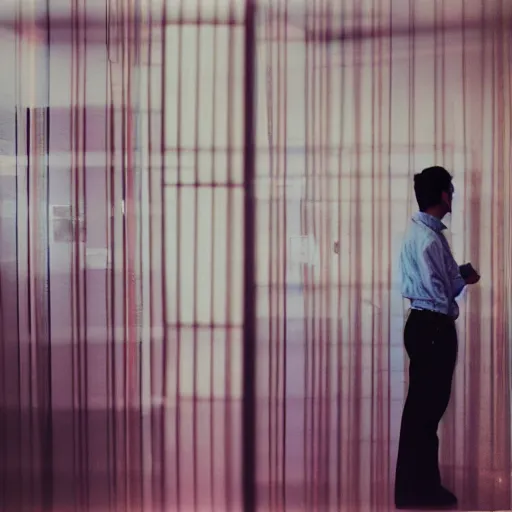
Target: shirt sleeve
[433,272]
[458,283]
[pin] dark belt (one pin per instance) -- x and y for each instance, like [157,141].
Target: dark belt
[434,315]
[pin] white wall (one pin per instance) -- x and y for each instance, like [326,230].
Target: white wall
[416,106]
[355,98]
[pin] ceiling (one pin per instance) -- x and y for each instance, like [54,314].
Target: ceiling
[347,19]
[339,16]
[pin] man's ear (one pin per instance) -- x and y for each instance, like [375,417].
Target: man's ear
[445,197]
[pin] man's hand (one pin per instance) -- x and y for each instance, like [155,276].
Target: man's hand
[469,274]
[473,278]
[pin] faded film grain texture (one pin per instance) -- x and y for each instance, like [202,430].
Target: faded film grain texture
[139,163]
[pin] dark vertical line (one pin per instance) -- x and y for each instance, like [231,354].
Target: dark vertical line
[383,456]
[318,95]
[18,440]
[139,312]
[499,122]
[84,271]
[72,145]
[213,261]
[107,281]
[196,289]
[356,346]
[49,469]
[279,285]
[339,347]
[492,258]
[311,154]
[131,214]
[270,362]
[329,281]
[465,447]
[5,339]
[163,288]
[307,287]
[436,75]
[129,211]
[112,270]
[140,221]
[389,134]
[108,212]
[130,249]
[107,28]
[113,288]
[17,236]
[179,232]
[375,263]
[75,262]
[443,85]
[249,347]
[76,248]
[228,364]
[3,445]
[124,235]
[29,302]
[152,355]
[285,269]
[505,355]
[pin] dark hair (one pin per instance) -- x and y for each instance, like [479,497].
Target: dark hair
[429,185]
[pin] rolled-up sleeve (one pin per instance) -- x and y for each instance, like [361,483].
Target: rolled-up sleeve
[458,284]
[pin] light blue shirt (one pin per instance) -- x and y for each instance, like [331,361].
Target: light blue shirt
[430,276]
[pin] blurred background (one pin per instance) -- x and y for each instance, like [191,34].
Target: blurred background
[186,182]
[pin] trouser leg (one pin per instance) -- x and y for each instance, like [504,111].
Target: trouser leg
[431,343]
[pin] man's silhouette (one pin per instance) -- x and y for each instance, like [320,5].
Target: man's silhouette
[431,280]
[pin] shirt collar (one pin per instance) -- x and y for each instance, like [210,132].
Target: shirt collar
[429,220]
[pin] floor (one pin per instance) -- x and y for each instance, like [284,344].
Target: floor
[140,471]
[318,447]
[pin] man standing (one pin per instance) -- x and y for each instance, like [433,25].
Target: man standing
[431,280]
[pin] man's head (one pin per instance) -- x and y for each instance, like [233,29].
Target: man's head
[434,191]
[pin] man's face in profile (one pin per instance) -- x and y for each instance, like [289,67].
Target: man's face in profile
[448,198]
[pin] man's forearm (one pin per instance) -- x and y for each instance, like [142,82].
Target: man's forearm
[458,286]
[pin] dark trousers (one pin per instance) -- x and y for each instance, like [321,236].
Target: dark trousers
[431,344]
